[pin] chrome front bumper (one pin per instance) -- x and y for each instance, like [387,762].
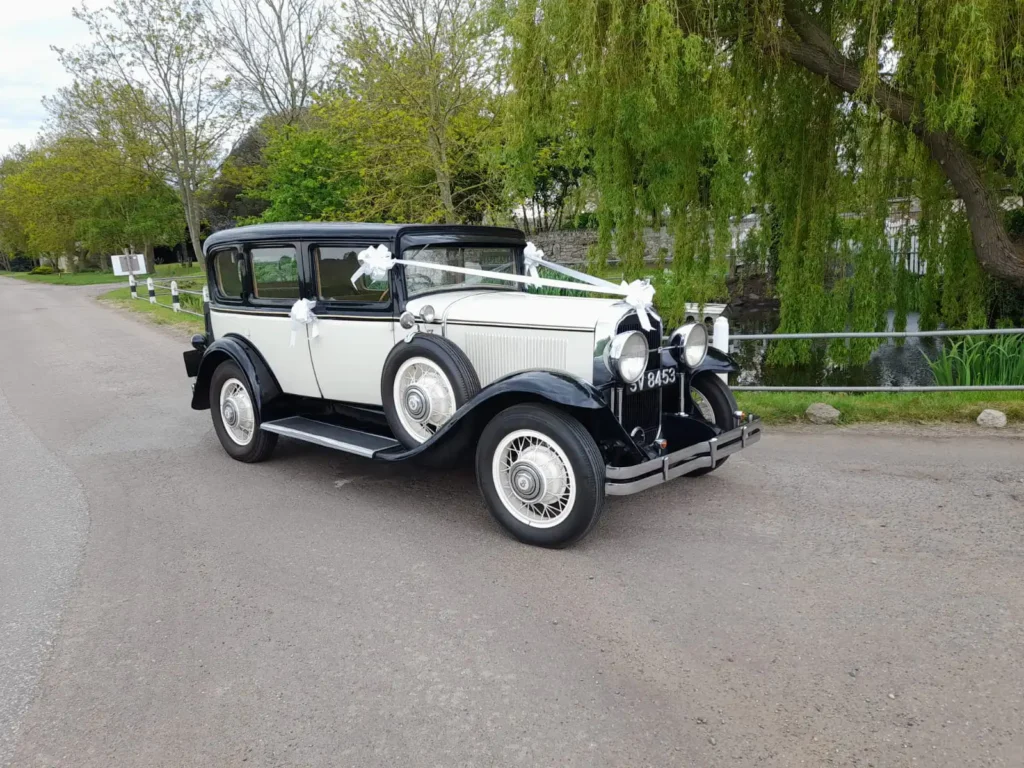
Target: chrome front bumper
[622,481]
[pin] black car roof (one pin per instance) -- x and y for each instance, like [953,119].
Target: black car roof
[301,230]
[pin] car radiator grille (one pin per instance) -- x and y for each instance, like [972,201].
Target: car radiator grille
[643,409]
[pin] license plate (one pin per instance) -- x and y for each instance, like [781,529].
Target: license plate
[659,377]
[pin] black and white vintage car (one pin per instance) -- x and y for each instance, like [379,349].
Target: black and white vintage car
[435,343]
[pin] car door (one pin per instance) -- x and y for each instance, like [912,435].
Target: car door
[268,279]
[355,322]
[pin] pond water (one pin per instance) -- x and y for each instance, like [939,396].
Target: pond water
[894,363]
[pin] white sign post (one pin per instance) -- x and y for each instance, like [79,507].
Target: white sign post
[130,264]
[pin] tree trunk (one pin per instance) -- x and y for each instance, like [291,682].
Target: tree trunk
[997,254]
[192,221]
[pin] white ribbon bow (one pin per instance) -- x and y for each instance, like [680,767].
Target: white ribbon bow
[302,315]
[533,257]
[375,261]
[640,296]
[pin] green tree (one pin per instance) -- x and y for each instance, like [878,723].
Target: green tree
[309,173]
[72,196]
[162,60]
[421,89]
[13,238]
[817,112]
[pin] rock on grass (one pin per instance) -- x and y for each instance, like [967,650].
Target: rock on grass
[992,418]
[822,413]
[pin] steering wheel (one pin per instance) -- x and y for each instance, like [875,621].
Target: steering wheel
[418,281]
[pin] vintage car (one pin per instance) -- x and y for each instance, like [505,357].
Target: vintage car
[454,348]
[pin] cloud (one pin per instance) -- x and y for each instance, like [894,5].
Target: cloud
[29,69]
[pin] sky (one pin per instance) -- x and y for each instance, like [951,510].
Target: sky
[29,70]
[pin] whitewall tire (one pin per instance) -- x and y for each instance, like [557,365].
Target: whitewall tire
[541,474]
[236,418]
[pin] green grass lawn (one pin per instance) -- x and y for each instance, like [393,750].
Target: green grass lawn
[161,313]
[96,278]
[907,408]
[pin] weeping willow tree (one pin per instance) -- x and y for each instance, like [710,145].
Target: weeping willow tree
[827,117]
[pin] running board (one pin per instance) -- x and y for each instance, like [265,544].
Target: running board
[344,439]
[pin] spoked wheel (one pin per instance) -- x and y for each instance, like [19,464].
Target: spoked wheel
[423,396]
[541,474]
[235,418]
[533,478]
[424,382]
[713,402]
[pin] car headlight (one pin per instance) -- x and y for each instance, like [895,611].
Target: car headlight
[627,356]
[690,344]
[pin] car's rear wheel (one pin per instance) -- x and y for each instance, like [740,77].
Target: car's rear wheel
[714,402]
[235,417]
[541,474]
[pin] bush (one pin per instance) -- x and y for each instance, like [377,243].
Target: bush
[43,270]
[21,264]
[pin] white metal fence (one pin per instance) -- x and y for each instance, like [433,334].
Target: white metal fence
[879,335]
[168,286]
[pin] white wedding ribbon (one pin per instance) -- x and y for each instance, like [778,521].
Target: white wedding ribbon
[302,316]
[377,261]
[640,296]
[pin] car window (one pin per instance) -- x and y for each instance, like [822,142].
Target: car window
[227,267]
[425,280]
[335,266]
[275,272]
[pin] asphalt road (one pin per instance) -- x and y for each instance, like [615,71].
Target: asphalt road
[832,597]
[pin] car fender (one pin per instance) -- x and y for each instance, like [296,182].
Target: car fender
[715,361]
[237,349]
[543,387]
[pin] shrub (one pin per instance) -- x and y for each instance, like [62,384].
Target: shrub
[21,264]
[980,361]
[42,270]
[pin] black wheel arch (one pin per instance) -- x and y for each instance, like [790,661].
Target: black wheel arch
[715,361]
[568,393]
[243,353]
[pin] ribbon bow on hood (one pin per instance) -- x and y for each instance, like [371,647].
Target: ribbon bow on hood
[532,258]
[640,296]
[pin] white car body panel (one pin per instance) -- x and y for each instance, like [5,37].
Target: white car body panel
[504,331]
[510,307]
[271,335]
[349,355]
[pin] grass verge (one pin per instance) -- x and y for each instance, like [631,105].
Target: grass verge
[98,278]
[892,407]
[161,314]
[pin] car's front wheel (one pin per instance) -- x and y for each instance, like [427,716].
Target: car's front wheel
[235,417]
[713,401]
[541,474]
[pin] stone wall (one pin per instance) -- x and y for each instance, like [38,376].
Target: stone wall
[570,247]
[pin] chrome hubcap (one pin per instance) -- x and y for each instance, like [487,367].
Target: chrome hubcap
[533,478]
[527,482]
[423,397]
[417,403]
[236,412]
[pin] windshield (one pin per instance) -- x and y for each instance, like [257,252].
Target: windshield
[419,280]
